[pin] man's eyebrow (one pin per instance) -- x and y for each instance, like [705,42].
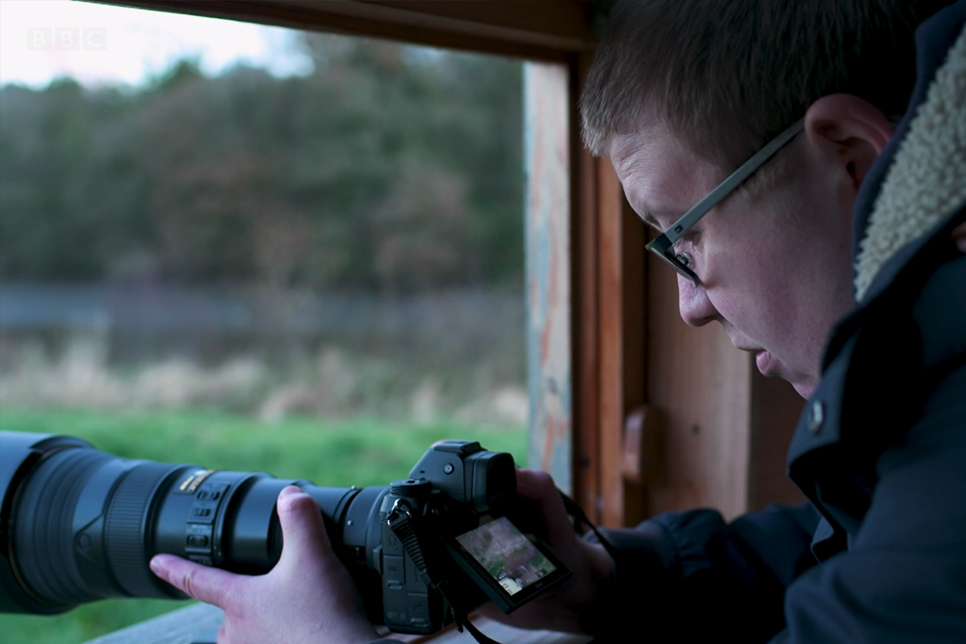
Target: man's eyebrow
[648,216]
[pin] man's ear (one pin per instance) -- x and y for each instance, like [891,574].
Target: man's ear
[847,131]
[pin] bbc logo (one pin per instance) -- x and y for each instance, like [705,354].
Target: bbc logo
[64,38]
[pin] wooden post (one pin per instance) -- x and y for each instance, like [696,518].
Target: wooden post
[548,241]
[609,330]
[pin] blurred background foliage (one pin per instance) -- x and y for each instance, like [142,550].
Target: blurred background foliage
[390,168]
[348,241]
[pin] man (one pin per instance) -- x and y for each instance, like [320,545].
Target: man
[680,94]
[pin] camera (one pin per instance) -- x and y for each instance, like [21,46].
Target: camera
[78,524]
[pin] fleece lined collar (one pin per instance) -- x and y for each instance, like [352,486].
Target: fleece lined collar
[926,181]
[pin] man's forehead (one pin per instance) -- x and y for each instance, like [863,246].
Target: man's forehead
[656,171]
[645,140]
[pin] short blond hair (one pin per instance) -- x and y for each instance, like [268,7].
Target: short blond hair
[726,75]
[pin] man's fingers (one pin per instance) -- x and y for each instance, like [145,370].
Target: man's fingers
[209,585]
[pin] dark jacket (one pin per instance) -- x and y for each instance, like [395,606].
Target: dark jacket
[879,555]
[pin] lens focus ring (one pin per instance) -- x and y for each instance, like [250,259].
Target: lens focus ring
[125,529]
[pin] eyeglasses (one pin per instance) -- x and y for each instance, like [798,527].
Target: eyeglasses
[663,246]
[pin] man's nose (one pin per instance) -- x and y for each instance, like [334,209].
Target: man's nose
[693,303]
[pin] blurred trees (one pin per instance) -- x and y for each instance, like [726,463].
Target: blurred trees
[388,168]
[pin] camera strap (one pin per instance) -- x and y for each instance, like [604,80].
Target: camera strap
[401,521]
[580,517]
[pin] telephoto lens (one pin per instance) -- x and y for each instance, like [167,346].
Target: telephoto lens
[78,524]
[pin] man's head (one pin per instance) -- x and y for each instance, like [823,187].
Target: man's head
[682,91]
[727,76]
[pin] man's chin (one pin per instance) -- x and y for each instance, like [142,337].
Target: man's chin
[767,364]
[771,367]
[805,389]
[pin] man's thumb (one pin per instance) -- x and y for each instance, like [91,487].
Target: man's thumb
[303,530]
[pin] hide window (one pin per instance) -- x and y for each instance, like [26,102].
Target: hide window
[305,257]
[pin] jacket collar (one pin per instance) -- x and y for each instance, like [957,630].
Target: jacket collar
[920,179]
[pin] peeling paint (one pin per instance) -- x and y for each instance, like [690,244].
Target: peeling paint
[550,381]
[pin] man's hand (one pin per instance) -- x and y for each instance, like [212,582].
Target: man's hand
[565,608]
[308,597]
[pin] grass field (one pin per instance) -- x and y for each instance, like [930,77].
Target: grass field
[357,451]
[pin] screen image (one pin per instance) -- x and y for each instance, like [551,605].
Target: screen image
[506,554]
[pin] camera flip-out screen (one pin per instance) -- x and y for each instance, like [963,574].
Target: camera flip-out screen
[510,566]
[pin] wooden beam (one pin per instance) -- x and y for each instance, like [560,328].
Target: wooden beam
[547,147]
[584,267]
[587,262]
[609,333]
[610,312]
[634,349]
[550,30]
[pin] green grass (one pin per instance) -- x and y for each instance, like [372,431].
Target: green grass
[356,451]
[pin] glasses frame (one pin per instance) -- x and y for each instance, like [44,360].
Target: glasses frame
[663,245]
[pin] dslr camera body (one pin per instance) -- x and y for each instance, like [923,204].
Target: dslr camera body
[445,540]
[78,524]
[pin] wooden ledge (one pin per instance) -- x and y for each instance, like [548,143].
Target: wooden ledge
[198,620]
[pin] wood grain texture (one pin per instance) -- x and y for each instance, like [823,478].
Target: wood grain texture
[702,386]
[610,305]
[535,29]
[587,460]
[548,243]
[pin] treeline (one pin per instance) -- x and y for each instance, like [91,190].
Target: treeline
[387,168]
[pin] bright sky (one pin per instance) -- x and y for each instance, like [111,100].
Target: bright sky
[98,44]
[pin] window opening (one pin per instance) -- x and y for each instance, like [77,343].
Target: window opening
[286,252]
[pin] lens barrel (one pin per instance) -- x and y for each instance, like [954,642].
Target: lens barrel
[78,524]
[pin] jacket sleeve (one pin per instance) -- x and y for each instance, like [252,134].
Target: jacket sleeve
[904,577]
[691,576]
